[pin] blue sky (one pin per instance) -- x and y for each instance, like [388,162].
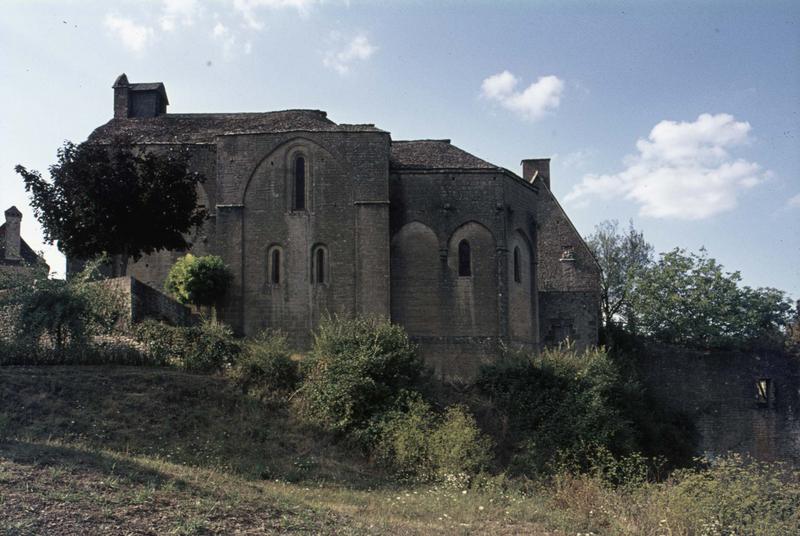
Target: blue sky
[684,116]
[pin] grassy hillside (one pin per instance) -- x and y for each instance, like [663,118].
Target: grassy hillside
[155,451]
[121,451]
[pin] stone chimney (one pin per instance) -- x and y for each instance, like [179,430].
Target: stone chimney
[536,167]
[13,219]
[122,100]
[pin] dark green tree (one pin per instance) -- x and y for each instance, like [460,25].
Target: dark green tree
[116,200]
[687,299]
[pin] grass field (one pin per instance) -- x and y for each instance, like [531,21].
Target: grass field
[102,450]
[123,451]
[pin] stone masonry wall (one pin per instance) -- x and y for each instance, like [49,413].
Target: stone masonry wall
[459,321]
[719,393]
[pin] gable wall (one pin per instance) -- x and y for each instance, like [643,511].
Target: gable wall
[568,278]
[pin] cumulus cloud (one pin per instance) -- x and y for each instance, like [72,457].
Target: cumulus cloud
[340,58]
[248,8]
[683,170]
[532,103]
[177,12]
[794,201]
[133,36]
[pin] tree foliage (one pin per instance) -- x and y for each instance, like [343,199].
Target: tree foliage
[201,281]
[687,299]
[115,199]
[623,258]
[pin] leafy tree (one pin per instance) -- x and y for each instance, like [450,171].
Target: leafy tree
[200,281]
[688,299]
[116,200]
[623,258]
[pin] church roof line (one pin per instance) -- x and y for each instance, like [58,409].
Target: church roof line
[205,127]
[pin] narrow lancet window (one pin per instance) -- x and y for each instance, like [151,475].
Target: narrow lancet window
[517,269]
[319,267]
[464,259]
[299,183]
[275,267]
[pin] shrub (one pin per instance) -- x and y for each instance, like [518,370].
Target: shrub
[207,347]
[358,371]
[555,402]
[418,444]
[457,444]
[733,496]
[52,314]
[201,281]
[265,367]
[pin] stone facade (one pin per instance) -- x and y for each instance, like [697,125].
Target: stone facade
[315,217]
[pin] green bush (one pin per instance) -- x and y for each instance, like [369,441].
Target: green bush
[264,367]
[421,445]
[358,371]
[733,496]
[207,347]
[553,403]
[52,315]
[201,281]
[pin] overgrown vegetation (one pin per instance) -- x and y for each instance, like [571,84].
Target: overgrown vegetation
[205,348]
[567,405]
[200,281]
[265,367]
[168,452]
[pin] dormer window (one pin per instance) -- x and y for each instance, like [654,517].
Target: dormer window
[299,188]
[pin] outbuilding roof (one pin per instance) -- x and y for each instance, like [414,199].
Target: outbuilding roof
[434,154]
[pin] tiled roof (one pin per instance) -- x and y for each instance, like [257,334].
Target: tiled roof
[434,154]
[203,128]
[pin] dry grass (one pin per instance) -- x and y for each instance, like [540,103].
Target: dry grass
[105,450]
[151,451]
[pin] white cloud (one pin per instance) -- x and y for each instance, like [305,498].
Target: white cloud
[794,201]
[533,103]
[247,8]
[577,159]
[223,35]
[134,36]
[178,12]
[682,170]
[341,58]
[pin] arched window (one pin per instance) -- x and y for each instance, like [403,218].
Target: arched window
[319,266]
[299,183]
[275,267]
[517,270]
[464,259]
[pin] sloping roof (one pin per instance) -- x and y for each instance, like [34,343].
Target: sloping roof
[204,128]
[28,255]
[434,154]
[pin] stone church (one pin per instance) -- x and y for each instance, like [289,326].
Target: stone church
[315,217]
